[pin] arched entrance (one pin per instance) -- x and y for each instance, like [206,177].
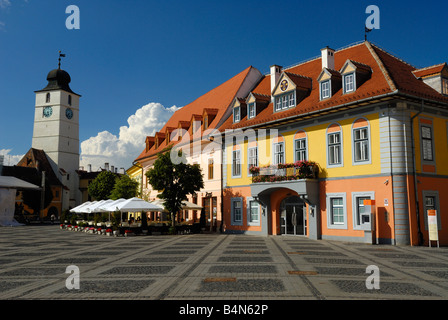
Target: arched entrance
[293,216]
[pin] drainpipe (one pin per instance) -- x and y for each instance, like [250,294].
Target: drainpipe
[417,207]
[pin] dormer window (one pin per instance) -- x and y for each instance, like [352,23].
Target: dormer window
[285,101]
[205,122]
[236,114]
[354,74]
[251,110]
[445,86]
[349,83]
[325,89]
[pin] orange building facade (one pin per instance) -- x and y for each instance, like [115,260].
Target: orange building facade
[315,143]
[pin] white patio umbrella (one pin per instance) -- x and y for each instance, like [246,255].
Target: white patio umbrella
[112,205]
[78,209]
[137,204]
[186,205]
[93,207]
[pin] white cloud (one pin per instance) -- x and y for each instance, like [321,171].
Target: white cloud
[5,4]
[121,150]
[10,159]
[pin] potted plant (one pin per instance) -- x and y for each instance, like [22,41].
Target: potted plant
[128,233]
[108,232]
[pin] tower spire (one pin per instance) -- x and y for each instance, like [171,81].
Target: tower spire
[61,55]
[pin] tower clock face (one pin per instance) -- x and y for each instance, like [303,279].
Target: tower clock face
[47,112]
[69,113]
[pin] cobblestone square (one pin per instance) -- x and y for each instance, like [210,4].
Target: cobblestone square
[34,259]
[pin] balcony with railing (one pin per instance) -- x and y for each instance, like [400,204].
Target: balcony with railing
[285,172]
[300,177]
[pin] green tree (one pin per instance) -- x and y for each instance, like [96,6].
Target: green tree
[101,187]
[174,181]
[124,187]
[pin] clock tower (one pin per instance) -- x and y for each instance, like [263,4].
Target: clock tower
[56,131]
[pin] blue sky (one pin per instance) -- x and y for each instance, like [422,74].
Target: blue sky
[136,59]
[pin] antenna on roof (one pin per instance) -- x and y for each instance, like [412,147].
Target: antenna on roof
[61,55]
[366,30]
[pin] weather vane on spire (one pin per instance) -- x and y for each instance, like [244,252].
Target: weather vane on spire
[61,55]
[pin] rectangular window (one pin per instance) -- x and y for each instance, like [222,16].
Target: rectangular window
[334,148]
[361,144]
[253,157]
[300,149]
[279,153]
[337,210]
[445,86]
[285,101]
[237,211]
[210,169]
[325,89]
[254,208]
[349,83]
[251,110]
[427,144]
[236,163]
[236,114]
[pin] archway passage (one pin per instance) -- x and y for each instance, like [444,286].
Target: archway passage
[293,216]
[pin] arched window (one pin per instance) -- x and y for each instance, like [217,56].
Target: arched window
[47,100]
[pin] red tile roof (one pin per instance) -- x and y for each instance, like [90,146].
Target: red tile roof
[216,101]
[388,74]
[428,71]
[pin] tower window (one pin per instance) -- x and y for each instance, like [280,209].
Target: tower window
[47,100]
[69,100]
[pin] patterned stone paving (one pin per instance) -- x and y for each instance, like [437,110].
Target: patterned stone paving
[33,262]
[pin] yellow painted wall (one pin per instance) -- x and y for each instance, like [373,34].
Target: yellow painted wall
[317,151]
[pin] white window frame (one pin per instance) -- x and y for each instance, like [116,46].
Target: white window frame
[331,147]
[250,221]
[326,90]
[349,86]
[251,157]
[251,110]
[304,151]
[285,101]
[356,216]
[277,153]
[362,141]
[236,163]
[236,114]
[236,218]
[329,200]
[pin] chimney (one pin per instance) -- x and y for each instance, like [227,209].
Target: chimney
[89,168]
[106,166]
[276,71]
[112,168]
[327,58]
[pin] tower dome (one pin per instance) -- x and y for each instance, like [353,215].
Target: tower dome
[58,79]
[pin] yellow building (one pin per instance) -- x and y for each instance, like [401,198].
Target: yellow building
[374,126]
